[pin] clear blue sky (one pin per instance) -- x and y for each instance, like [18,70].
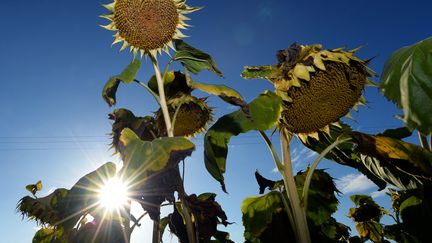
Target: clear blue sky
[55,59]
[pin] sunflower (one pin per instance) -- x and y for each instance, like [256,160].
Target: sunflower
[192,115]
[317,87]
[147,26]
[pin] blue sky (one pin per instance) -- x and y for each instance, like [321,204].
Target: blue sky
[55,60]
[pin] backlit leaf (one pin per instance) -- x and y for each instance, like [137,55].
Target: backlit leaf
[141,157]
[408,157]
[259,72]
[129,73]
[407,81]
[258,213]
[224,92]
[193,59]
[264,113]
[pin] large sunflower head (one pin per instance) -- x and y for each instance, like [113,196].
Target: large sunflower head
[147,26]
[318,86]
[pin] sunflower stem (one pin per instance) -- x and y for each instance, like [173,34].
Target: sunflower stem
[423,141]
[162,98]
[156,230]
[155,96]
[311,170]
[273,152]
[163,103]
[301,227]
[289,213]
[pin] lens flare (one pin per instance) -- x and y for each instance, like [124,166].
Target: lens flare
[113,195]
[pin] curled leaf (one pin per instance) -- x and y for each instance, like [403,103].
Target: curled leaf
[110,90]
[193,59]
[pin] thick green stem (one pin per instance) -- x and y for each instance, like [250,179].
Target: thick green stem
[162,98]
[289,214]
[311,170]
[299,214]
[170,132]
[423,141]
[280,167]
[273,152]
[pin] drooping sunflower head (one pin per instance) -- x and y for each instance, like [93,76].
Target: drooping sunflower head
[192,115]
[318,86]
[147,26]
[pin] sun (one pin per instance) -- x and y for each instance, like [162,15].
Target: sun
[113,194]
[147,26]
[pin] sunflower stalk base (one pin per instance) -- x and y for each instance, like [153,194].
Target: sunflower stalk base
[300,228]
[170,132]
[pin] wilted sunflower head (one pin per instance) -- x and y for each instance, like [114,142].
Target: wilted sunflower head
[317,86]
[147,26]
[192,115]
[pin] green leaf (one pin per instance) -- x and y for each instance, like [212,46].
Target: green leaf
[416,213]
[260,72]
[225,93]
[110,90]
[193,59]
[371,230]
[362,199]
[407,81]
[163,224]
[48,235]
[174,82]
[265,112]
[343,154]
[407,157]
[397,233]
[397,133]
[129,73]
[322,202]
[258,213]
[33,188]
[140,157]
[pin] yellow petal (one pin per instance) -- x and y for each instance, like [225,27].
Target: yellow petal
[110,6]
[303,137]
[318,62]
[300,71]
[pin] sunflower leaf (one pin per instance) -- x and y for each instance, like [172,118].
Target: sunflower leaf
[407,81]
[141,157]
[264,112]
[193,59]
[110,90]
[343,154]
[224,92]
[258,72]
[407,157]
[129,73]
[258,213]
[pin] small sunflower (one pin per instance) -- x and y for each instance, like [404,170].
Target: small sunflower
[192,115]
[317,86]
[147,26]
